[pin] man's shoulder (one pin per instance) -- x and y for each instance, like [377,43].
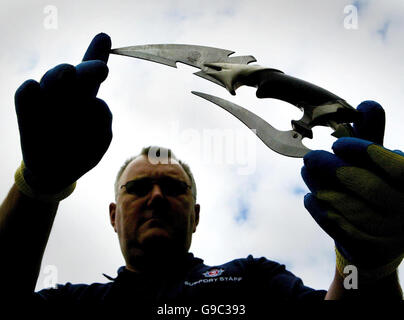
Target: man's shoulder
[250,260]
[249,264]
[75,292]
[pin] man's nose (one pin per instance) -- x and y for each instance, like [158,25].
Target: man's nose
[156,195]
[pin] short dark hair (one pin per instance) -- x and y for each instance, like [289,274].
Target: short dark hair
[145,152]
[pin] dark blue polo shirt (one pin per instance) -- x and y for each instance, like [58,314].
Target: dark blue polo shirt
[253,282]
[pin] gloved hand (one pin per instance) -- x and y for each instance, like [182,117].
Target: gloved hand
[357,197]
[64,129]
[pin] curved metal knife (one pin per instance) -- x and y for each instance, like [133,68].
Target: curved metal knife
[195,56]
[320,107]
[284,142]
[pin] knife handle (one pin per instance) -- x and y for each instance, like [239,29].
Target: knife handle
[275,84]
[321,107]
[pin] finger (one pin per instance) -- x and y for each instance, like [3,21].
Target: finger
[332,172]
[321,214]
[322,165]
[95,120]
[347,235]
[357,240]
[90,74]
[27,96]
[99,116]
[369,155]
[312,181]
[361,214]
[99,48]
[59,81]
[371,124]
[372,188]
[353,150]
[27,102]
[318,210]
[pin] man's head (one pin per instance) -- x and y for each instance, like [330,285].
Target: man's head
[156,214]
[150,153]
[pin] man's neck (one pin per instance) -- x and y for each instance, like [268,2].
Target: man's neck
[159,265]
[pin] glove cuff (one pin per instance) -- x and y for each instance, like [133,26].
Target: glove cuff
[367,275]
[23,186]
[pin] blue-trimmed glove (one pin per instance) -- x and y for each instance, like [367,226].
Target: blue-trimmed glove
[64,129]
[357,197]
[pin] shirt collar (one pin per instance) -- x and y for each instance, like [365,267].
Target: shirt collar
[123,273]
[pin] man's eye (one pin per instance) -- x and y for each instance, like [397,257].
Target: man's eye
[174,188]
[169,187]
[139,188]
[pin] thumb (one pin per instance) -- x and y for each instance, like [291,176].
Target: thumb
[371,123]
[99,48]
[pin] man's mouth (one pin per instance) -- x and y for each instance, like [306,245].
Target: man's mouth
[155,222]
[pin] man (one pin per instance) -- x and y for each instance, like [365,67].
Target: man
[355,197]
[155,213]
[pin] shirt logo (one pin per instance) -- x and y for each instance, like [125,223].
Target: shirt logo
[213,273]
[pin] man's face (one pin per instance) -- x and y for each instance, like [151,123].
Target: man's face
[154,223]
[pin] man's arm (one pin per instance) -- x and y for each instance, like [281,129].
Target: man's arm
[357,197]
[64,131]
[25,225]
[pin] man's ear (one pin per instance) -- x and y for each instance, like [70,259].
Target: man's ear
[112,214]
[197,209]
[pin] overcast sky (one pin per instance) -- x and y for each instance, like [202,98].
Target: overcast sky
[251,198]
